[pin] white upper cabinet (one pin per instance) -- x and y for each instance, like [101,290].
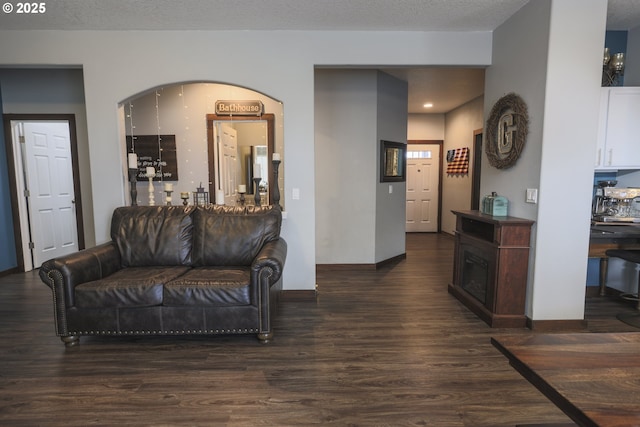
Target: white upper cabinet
[619,129]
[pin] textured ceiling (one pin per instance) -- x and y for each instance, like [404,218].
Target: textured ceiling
[351,15]
[623,14]
[446,87]
[377,15]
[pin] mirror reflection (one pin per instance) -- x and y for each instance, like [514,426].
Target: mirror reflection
[250,150]
[241,150]
[178,134]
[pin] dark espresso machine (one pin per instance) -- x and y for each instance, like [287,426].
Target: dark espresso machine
[615,205]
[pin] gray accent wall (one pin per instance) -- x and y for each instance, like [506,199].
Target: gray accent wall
[357,220]
[54,91]
[391,123]
[632,58]
[8,256]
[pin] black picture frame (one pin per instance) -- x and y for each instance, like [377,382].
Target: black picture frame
[393,161]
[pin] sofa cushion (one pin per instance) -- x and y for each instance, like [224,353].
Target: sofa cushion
[210,286]
[153,235]
[129,287]
[232,235]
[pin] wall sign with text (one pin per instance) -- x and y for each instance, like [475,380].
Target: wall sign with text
[239,108]
[158,151]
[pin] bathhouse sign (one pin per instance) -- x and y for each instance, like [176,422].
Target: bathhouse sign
[239,108]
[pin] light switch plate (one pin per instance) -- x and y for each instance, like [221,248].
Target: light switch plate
[532,195]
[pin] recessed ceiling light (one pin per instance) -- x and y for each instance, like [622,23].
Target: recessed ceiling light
[428,105]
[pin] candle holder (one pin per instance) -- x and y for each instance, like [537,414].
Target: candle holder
[200,197]
[276,188]
[185,198]
[168,198]
[152,198]
[257,190]
[133,186]
[241,199]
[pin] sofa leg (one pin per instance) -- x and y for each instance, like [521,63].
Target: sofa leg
[265,337]
[71,340]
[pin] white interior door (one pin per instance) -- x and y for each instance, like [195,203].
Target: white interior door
[423,171]
[228,154]
[48,172]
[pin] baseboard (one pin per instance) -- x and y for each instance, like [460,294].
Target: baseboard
[298,295]
[592,291]
[391,260]
[556,325]
[336,267]
[549,425]
[9,271]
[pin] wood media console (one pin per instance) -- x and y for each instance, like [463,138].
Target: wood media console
[490,267]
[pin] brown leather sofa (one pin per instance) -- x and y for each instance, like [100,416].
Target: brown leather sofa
[173,270]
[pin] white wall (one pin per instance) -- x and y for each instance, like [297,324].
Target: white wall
[530,58]
[425,126]
[456,189]
[280,64]
[571,114]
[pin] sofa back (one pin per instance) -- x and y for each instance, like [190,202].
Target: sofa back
[198,236]
[153,235]
[232,235]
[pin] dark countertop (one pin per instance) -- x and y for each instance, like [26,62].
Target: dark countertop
[607,232]
[477,215]
[590,377]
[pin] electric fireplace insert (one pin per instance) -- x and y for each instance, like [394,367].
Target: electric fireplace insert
[491,267]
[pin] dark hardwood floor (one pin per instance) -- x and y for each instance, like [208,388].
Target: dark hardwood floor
[386,347]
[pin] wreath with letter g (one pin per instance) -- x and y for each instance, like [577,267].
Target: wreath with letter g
[507,130]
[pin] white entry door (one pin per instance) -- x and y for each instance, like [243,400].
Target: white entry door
[423,171]
[48,171]
[228,155]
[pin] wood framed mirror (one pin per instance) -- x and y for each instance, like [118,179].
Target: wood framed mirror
[253,145]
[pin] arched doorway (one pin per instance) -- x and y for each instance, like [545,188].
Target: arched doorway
[173,121]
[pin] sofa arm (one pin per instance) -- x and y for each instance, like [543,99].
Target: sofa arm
[266,275]
[271,257]
[63,274]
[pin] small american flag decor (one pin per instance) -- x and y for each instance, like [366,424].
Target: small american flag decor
[459,163]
